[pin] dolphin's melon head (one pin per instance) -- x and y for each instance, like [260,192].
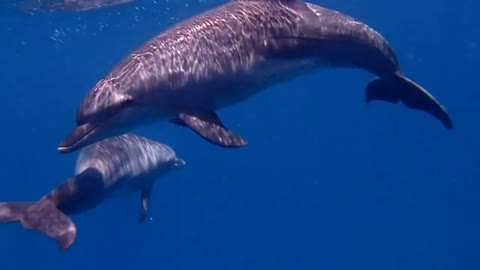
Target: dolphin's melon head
[101,103]
[95,117]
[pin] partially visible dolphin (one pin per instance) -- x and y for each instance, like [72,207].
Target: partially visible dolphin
[66,5]
[230,53]
[115,166]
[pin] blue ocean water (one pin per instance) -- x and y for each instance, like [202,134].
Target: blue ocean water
[326,182]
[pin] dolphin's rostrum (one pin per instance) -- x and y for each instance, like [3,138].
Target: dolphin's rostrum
[230,53]
[115,166]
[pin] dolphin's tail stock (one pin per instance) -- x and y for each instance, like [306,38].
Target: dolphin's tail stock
[42,216]
[399,88]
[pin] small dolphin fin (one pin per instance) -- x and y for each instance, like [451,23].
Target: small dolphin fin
[209,127]
[146,195]
[412,95]
[42,216]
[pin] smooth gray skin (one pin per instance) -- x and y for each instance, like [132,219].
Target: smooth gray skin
[115,166]
[228,54]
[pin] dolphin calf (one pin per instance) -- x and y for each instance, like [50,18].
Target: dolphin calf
[112,167]
[230,53]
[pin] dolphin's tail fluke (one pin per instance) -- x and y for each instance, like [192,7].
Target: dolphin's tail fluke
[42,216]
[399,88]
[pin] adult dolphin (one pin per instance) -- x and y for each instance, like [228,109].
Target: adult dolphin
[230,53]
[116,166]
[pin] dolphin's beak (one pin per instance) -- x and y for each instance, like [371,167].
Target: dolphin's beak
[76,139]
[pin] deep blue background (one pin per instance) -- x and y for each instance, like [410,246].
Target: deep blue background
[326,182]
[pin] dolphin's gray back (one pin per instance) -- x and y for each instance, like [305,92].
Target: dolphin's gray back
[232,42]
[125,156]
[224,40]
[227,40]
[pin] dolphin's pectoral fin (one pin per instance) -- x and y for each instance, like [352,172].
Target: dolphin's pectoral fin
[399,88]
[146,195]
[209,127]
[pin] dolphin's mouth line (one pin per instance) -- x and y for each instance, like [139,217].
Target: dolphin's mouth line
[80,134]
[76,137]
